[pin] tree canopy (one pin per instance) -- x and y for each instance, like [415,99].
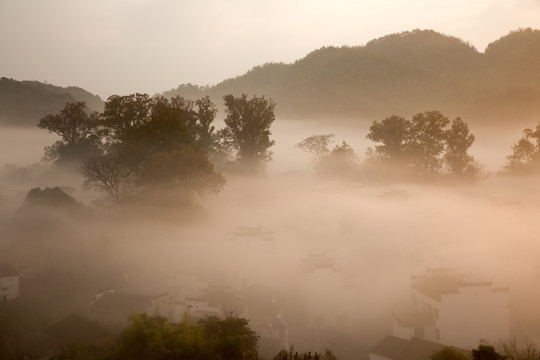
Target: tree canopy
[248,130]
[78,130]
[424,145]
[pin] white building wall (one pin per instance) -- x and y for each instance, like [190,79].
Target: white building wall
[373,356]
[476,312]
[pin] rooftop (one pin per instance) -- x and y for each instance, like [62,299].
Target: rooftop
[121,303]
[436,285]
[401,349]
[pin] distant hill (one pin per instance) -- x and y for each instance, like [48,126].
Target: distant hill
[402,74]
[23,103]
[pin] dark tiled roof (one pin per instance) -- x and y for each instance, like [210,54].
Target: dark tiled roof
[74,329]
[390,347]
[400,349]
[8,270]
[121,303]
[437,285]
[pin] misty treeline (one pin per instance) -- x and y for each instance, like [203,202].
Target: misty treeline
[141,147]
[152,337]
[425,146]
[401,73]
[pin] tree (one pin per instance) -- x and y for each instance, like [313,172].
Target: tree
[316,145]
[188,169]
[449,353]
[394,134]
[525,155]
[137,126]
[427,141]
[341,161]
[154,144]
[248,130]
[511,351]
[456,157]
[422,146]
[108,174]
[56,197]
[206,113]
[78,131]
[231,337]
[486,352]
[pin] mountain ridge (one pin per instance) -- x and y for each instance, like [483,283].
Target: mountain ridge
[401,73]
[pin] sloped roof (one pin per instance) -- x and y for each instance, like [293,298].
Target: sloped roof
[122,303]
[439,284]
[8,270]
[74,329]
[400,349]
[390,347]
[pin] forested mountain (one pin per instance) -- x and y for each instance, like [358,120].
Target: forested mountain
[400,73]
[23,103]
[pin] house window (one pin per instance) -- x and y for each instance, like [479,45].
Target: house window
[438,334]
[419,332]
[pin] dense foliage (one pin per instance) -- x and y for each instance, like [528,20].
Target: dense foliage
[141,146]
[154,338]
[423,145]
[525,157]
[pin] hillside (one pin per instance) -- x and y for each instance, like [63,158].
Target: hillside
[23,103]
[400,73]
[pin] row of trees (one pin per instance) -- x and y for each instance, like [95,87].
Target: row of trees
[154,338]
[146,145]
[141,144]
[426,145]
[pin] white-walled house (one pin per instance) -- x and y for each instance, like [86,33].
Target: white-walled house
[454,309]
[330,301]
[9,282]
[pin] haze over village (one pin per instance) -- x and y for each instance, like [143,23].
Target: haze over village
[269,180]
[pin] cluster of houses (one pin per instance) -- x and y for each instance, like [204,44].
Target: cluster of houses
[446,308]
[193,296]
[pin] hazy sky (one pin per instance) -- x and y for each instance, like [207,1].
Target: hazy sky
[123,46]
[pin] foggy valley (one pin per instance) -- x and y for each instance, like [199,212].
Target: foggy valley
[346,187]
[369,237]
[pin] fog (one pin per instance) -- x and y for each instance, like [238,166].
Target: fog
[375,236]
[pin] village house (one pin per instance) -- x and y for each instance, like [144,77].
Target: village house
[113,309]
[331,300]
[9,282]
[444,304]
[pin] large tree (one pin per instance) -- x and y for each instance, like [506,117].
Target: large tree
[423,145]
[248,130]
[427,140]
[108,174]
[79,132]
[187,169]
[316,145]
[456,157]
[394,135]
[525,157]
[151,144]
